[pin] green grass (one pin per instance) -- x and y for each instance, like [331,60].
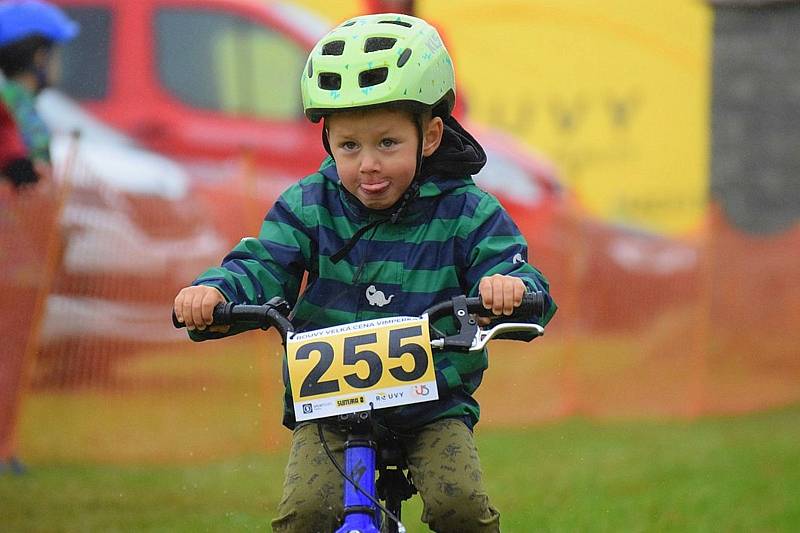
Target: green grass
[722,474]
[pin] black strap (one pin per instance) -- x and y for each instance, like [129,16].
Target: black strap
[410,194]
[344,250]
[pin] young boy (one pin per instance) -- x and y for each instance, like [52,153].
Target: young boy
[390,224]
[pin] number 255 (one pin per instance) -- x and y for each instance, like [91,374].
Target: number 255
[313,385]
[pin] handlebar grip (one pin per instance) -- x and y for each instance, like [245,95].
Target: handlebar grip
[532,305]
[221,314]
[273,313]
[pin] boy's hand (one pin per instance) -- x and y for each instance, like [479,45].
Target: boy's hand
[194,306]
[501,294]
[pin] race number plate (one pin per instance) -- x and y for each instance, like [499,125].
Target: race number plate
[354,367]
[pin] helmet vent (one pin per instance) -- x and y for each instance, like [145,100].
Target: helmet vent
[373,44]
[374,76]
[330,81]
[398,22]
[350,23]
[333,48]
[403,59]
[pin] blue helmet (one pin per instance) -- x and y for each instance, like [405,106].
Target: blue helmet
[24,18]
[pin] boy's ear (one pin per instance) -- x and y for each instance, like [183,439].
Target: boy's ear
[432,137]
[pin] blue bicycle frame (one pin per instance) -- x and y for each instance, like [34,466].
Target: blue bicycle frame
[361,514]
[361,452]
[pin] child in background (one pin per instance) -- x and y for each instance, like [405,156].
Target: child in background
[30,31]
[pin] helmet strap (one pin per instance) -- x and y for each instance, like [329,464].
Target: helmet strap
[325,141]
[421,139]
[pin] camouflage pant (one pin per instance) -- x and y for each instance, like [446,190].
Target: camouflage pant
[443,462]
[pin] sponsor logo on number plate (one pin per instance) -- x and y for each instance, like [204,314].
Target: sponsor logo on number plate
[349,401]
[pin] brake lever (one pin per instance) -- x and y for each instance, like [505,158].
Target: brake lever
[482,337]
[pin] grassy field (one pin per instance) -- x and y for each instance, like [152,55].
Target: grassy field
[720,474]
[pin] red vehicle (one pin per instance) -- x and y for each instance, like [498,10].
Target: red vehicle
[214,84]
[205,81]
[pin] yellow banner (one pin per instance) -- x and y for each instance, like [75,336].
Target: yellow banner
[616,93]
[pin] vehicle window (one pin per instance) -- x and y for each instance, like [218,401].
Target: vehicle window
[218,61]
[84,60]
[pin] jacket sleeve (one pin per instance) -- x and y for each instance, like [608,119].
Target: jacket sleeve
[496,246]
[272,264]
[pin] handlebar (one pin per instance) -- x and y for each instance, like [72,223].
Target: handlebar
[470,337]
[532,305]
[273,313]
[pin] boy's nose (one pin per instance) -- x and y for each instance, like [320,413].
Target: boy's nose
[369,164]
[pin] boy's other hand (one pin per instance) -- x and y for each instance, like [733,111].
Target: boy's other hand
[502,294]
[194,306]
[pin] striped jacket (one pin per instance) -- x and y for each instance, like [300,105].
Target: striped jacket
[448,238]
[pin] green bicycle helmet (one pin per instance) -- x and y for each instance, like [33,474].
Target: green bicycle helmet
[374,60]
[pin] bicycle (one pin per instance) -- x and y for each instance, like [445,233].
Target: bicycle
[350,399]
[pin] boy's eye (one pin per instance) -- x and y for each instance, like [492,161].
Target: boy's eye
[349,145]
[388,143]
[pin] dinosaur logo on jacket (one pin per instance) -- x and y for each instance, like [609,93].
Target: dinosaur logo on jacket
[376,297]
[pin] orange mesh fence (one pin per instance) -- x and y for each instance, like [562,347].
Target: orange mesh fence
[717,335]
[647,326]
[26,222]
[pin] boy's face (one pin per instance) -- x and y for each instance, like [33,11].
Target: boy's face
[376,152]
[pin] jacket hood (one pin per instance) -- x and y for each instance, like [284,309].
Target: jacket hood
[458,155]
